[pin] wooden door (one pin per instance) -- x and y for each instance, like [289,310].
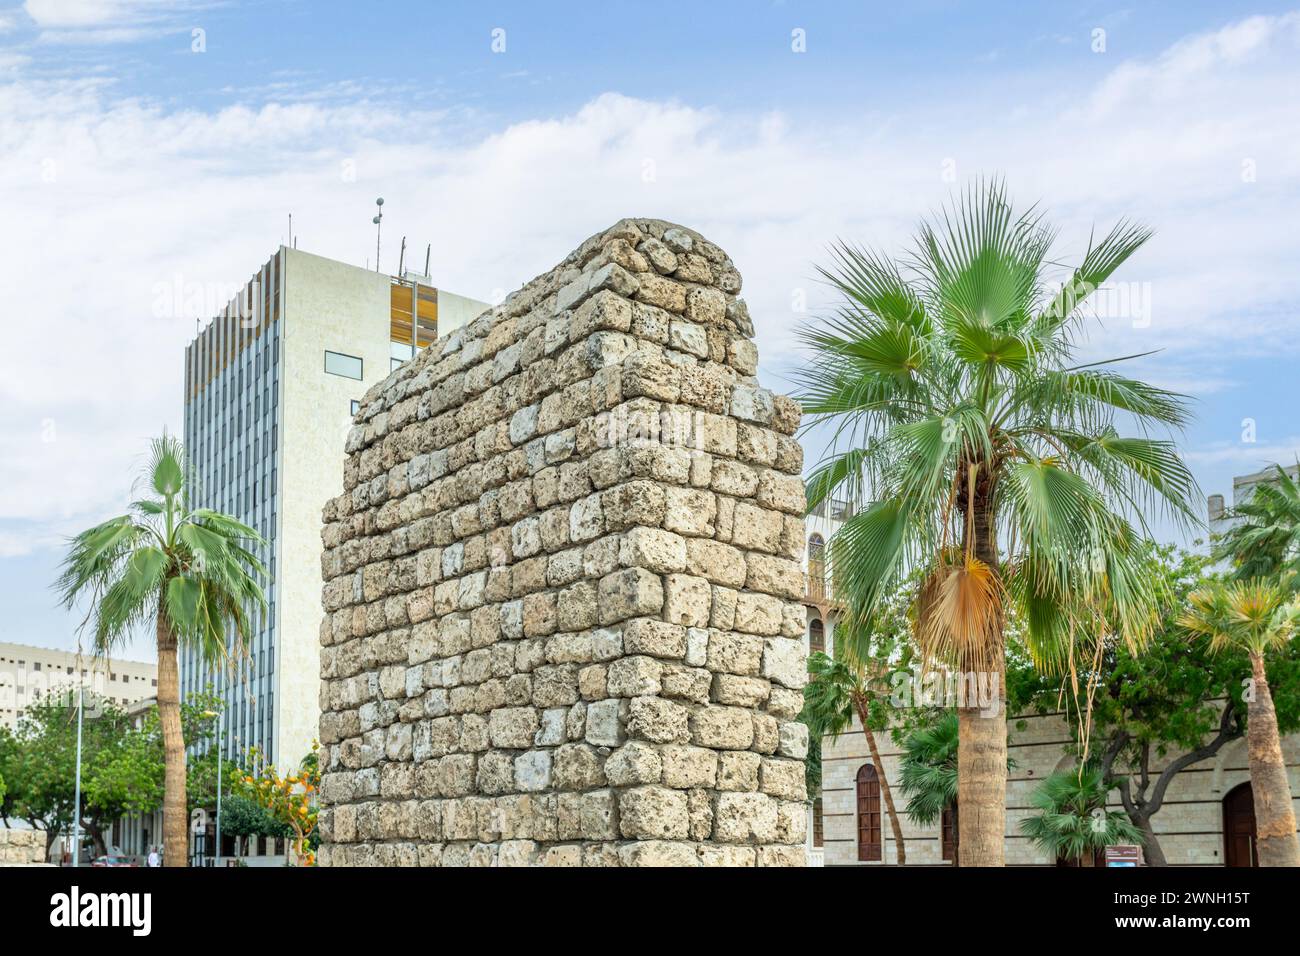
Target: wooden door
[870,846]
[1239,827]
[948,833]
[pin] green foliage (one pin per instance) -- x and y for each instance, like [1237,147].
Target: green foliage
[44,760]
[812,767]
[194,566]
[122,762]
[952,387]
[1168,696]
[245,817]
[1255,615]
[1071,819]
[10,751]
[928,770]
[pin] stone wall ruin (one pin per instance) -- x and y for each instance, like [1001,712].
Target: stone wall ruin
[563,621]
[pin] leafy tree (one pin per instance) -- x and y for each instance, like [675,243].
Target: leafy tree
[242,816]
[10,750]
[46,757]
[1071,821]
[289,800]
[124,776]
[193,573]
[993,458]
[1157,712]
[1256,616]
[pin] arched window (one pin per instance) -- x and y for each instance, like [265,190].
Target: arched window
[870,846]
[816,568]
[816,636]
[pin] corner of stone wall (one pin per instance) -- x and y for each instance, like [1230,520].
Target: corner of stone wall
[22,847]
[562,602]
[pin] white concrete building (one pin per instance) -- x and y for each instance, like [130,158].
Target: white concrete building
[28,673]
[1243,486]
[271,386]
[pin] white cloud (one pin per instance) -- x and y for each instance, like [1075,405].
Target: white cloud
[109,200]
[1246,456]
[106,21]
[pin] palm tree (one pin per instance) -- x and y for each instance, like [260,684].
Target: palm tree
[1072,822]
[836,693]
[1265,541]
[928,772]
[190,570]
[992,458]
[1255,616]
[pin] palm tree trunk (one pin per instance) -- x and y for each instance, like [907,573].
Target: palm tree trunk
[885,792]
[982,735]
[1274,815]
[175,828]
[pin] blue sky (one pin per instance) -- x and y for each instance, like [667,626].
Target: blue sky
[134,162]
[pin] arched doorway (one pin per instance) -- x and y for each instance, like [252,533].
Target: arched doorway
[1239,827]
[870,844]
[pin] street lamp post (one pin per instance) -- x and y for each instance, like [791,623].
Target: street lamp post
[217,714]
[76,800]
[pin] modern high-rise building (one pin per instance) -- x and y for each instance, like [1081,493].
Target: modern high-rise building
[271,387]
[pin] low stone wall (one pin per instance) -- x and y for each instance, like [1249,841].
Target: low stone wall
[22,847]
[563,623]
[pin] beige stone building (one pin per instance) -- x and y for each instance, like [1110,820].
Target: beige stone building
[271,387]
[28,672]
[1207,818]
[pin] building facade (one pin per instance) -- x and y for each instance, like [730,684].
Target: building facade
[823,609]
[27,673]
[1207,818]
[271,388]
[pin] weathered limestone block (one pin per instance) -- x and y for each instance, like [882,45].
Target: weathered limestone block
[561,583]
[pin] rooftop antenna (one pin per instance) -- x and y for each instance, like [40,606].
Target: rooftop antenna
[428,250]
[291,242]
[379,226]
[401,259]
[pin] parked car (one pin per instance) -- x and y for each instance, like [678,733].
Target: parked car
[113,861]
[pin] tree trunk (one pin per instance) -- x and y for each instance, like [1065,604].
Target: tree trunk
[1151,851]
[96,838]
[1274,815]
[900,847]
[982,735]
[956,835]
[175,824]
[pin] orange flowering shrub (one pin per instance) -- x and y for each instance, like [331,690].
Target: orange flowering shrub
[290,799]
